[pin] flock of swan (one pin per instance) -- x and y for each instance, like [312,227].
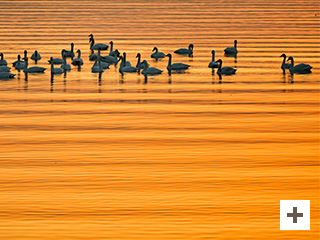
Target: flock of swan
[103,62]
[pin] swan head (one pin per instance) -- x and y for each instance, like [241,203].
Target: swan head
[111,42]
[190,46]
[169,55]
[64,55]
[90,35]
[212,52]
[63,51]
[290,58]
[154,49]
[235,42]
[78,51]
[219,61]
[138,55]
[283,55]
[19,57]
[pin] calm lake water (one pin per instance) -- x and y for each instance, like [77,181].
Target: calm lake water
[180,157]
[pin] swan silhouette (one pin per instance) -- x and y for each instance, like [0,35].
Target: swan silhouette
[65,66]
[213,63]
[232,50]
[78,61]
[301,68]
[6,75]
[21,62]
[55,70]
[157,54]
[97,66]
[149,71]
[176,66]
[36,56]
[5,68]
[225,70]
[32,69]
[3,62]
[284,65]
[19,65]
[70,54]
[124,67]
[139,65]
[188,50]
[57,60]
[98,46]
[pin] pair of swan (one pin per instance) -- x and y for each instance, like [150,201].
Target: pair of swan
[301,68]
[188,50]
[232,50]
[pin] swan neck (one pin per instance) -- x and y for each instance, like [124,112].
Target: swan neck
[139,58]
[169,62]
[111,46]
[213,57]
[284,60]
[79,54]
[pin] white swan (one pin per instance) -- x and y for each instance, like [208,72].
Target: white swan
[97,66]
[21,62]
[301,68]
[157,54]
[78,61]
[3,62]
[97,46]
[70,54]
[6,75]
[284,65]
[65,66]
[149,71]
[213,63]
[113,53]
[57,60]
[127,63]
[185,50]
[232,50]
[124,68]
[36,56]
[225,70]
[139,65]
[176,66]
[32,69]
[55,70]
[5,69]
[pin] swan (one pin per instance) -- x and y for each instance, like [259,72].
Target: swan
[225,70]
[57,60]
[32,69]
[176,66]
[5,69]
[36,56]
[70,54]
[6,75]
[185,50]
[113,53]
[213,63]
[3,62]
[78,61]
[232,50]
[301,68]
[55,70]
[65,66]
[157,54]
[139,65]
[97,46]
[124,68]
[127,63]
[21,62]
[19,65]
[97,66]
[150,71]
[284,65]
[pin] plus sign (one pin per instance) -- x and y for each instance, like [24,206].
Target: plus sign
[295,215]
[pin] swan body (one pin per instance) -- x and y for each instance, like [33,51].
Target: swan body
[176,66]
[301,68]
[213,63]
[188,50]
[157,54]
[225,70]
[231,50]
[104,65]
[55,70]
[150,71]
[70,54]
[77,61]
[65,66]
[32,69]
[6,75]
[36,56]
[111,59]
[3,62]
[5,69]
